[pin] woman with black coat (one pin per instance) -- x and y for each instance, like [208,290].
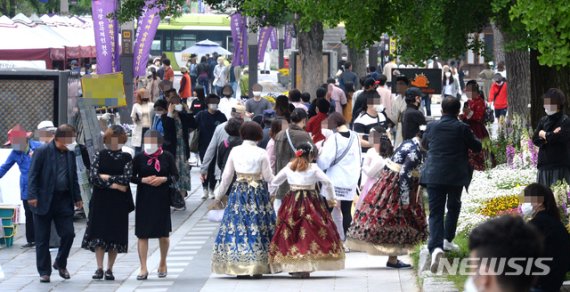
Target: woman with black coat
[552,136]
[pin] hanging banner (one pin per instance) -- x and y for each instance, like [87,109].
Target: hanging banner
[106,36]
[243,40]
[288,38]
[146,29]
[104,90]
[239,37]
[273,39]
[263,39]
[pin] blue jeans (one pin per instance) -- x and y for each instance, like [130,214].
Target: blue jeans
[234,87]
[438,229]
[427,104]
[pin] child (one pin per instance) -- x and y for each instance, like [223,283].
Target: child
[374,160]
[306,238]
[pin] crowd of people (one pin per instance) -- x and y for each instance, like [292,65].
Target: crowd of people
[284,170]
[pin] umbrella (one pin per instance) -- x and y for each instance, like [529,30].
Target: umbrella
[206,47]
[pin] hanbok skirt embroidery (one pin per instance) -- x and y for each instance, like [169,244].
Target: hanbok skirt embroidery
[242,244]
[381,226]
[306,238]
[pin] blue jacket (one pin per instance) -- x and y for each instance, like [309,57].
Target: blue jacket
[43,174]
[447,142]
[23,159]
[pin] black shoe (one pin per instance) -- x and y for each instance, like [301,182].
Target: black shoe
[257,276]
[142,277]
[62,272]
[98,275]
[244,277]
[28,245]
[44,279]
[398,265]
[109,275]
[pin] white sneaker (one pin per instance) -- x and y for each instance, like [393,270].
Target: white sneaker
[212,194]
[205,195]
[193,160]
[435,258]
[450,246]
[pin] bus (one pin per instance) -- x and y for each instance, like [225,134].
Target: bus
[175,35]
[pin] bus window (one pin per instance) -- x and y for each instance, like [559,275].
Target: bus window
[183,40]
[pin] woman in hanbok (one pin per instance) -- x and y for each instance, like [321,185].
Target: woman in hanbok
[242,245]
[306,238]
[391,219]
[474,115]
[374,160]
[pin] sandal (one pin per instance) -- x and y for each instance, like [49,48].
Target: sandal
[142,277]
[98,275]
[109,275]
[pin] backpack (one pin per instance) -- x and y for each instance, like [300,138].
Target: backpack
[224,150]
[489,115]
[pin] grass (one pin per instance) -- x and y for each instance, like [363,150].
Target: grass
[462,241]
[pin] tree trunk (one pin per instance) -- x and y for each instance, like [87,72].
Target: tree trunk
[498,44]
[518,83]
[543,78]
[311,52]
[358,60]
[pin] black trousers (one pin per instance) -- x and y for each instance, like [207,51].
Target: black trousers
[61,213]
[345,208]
[30,236]
[443,227]
[210,182]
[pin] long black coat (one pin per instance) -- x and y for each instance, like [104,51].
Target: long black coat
[170,141]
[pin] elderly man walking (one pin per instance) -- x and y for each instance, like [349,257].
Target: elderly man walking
[53,189]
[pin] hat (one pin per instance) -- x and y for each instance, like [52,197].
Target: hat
[239,108]
[183,69]
[412,92]
[17,132]
[193,56]
[73,62]
[369,82]
[46,125]
[156,59]
[268,114]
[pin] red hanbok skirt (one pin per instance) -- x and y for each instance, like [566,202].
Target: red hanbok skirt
[381,226]
[305,238]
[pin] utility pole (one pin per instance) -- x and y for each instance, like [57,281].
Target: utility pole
[64,7]
[281,37]
[252,56]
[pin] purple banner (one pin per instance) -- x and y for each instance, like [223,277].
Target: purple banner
[106,36]
[239,37]
[288,37]
[263,39]
[146,29]
[273,39]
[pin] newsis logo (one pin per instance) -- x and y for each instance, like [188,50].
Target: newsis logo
[495,266]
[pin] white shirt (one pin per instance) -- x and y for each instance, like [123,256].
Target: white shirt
[246,158]
[300,105]
[220,77]
[308,177]
[345,173]
[226,105]
[372,165]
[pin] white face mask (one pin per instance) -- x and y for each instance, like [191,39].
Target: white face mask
[549,112]
[470,285]
[178,107]
[150,148]
[213,106]
[526,209]
[247,119]
[379,108]
[158,115]
[71,146]
[257,94]
[447,74]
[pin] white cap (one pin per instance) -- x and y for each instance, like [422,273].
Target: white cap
[46,125]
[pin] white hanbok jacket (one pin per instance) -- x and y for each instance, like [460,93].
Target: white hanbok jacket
[343,172]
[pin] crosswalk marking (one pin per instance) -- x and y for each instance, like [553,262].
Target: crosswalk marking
[181,258]
[192,242]
[184,252]
[171,264]
[192,247]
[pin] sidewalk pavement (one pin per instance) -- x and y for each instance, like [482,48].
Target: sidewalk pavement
[189,262]
[19,265]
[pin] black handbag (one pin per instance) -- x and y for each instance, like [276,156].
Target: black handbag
[176,199]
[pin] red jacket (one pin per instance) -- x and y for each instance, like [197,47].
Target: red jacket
[314,127]
[185,86]
[501,101]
